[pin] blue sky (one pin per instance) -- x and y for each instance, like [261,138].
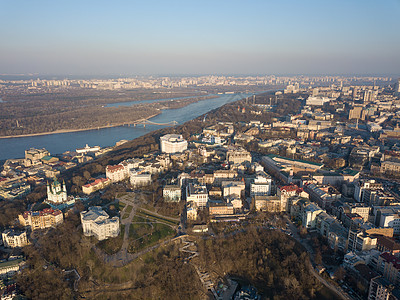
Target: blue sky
[200,37]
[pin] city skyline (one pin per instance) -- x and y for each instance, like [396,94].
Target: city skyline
[179,38]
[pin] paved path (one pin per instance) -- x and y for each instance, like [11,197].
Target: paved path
[123,257]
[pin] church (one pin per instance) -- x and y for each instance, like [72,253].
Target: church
[56,193]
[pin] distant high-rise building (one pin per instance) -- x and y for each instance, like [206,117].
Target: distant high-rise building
[355,93]
[369,96]
[397,86]
[357,113]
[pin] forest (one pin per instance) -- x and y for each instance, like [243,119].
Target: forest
[267,259]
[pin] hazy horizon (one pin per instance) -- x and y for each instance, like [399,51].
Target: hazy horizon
[121,38]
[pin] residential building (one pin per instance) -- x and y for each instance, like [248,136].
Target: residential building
[363,185]
[95,185]
[389,266]
[10,267]
[261,185]
[233,188]
[139,178]
[13,238]
[286,192]
[387,244]
[360,241]
[238,156]
[308,214]
[323,195]
[116,173]
[191,211]
[222,175]
[382,289]
[390,167]
[220,208]
[96,222]
[357,112]
[41,219]
[197,194]
[267,203]
[172,193]
[172,143]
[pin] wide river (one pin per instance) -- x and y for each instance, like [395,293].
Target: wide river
[61,142]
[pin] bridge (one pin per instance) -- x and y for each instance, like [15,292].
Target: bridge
[144,122]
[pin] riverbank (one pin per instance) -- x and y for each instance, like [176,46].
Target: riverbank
[162,105]
[79,130]
[57,142]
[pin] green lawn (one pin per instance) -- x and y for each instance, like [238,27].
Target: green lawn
[142,235]
[156,218]
[128,209]
[121,205]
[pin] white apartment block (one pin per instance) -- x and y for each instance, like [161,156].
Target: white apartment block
[96,222]
[233,188]
[197,194]
[261,185]
[173,143]
[116,173]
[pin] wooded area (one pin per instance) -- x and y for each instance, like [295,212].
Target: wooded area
[54,112]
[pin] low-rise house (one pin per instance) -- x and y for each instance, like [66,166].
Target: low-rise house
[10,267]
[220,208]
[172,193]
[139,177]
[95,185]
[191,211]
[13,238]
[96,222]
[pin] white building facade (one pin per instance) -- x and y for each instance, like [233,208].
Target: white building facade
[173,143]
[96,222]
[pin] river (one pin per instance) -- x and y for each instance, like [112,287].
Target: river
[61,142]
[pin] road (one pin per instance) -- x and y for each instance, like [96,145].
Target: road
[337,290]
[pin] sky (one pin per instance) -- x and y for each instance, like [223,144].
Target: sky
[341,37]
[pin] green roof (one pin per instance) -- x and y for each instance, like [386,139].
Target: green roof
[47,157]
[350,172]
[10,263]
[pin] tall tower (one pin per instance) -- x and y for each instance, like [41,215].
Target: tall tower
[397,86]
